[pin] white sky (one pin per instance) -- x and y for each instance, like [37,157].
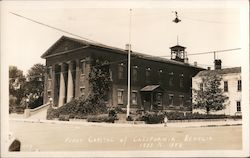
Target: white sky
[203,28]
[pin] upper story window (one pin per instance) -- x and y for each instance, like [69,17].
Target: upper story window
[225,86]
[148,74]
[135,73]
[239,85]
[121,69]
[171,79]
[83,67]
[181,80]
[160,74]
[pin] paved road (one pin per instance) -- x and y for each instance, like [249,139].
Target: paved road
[73,137]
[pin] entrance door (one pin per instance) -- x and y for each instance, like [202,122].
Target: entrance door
[147,101]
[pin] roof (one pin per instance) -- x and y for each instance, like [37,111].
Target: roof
[87,44]
[150,88]
[177,47]
[220,71]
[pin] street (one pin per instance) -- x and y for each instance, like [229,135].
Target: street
[72,137]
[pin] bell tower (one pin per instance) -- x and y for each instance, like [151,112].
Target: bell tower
[178,53]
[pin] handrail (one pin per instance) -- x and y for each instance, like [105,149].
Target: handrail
[40,107]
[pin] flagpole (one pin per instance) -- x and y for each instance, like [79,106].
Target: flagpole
[129,54]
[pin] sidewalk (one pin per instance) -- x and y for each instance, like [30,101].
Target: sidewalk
[131,124]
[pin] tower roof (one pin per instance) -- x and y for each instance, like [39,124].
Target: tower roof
[177,47]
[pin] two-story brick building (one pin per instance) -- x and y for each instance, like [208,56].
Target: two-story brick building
[155,82]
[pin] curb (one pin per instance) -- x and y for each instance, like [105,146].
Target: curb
[170,125]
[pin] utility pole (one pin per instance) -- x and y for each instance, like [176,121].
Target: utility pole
[129,56]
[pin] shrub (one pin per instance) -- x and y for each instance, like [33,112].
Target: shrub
[101,118]
[153,117]
[120,110]
[129,118]
[63,117]
[52,113]
[78,108]
[112,113]
[175,115]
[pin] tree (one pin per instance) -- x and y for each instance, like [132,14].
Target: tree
[16,86]
[35,85]
[210,97]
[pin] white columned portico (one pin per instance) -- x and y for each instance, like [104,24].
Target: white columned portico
[70,89]
[62,86]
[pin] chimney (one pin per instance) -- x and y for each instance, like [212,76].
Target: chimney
[209,68]
[195,63]
[217,64]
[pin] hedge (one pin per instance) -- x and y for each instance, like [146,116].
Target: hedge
[158,117]
[153,118]
[101,118]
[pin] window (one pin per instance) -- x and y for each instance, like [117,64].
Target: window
[171,79]
[121,71]
[201,86]
[135,73]
[239,85]
[110,75]
[134,97]
[159,99]
[238,106]
[49,94]
[160,73]
[120,96]
[181,80]
[181,99]
[225,86]
[148,74]
[83,66]
[171,100]
[50,73]
[82,91]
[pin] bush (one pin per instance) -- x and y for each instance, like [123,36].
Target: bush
[101,118]
[120,110]
[112,113]
[52,113]
[153,117]
[78,108]
[129,118]
[63,117]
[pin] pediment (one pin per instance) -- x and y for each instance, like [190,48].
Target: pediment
[64,44]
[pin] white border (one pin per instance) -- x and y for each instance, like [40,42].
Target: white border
[242,4]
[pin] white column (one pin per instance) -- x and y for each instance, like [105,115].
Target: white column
[62,86]
[70,89]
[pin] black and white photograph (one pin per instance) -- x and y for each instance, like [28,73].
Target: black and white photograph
[125,78]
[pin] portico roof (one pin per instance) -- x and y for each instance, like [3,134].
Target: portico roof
[150,88]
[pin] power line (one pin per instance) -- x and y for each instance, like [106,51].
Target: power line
[55,28]
[209,52]
[208,21]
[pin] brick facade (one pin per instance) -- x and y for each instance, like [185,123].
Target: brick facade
[173,78]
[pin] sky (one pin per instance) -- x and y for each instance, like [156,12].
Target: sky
[203,28]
